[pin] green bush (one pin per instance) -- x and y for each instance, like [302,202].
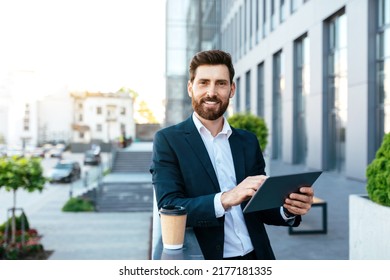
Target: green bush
[253,124]
[78,204]
[18,222]
[378,174]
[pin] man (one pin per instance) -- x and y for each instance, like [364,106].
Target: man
[213,170]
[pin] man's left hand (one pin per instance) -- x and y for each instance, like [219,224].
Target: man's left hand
[299,203]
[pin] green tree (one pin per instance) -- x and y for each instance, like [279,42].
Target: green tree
[20,173]
[145,114]
[252,123]
[129,91]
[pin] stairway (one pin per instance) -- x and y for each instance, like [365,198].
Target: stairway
[127,195]
[132,161]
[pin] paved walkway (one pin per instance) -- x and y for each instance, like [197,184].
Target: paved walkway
[334,245]
[126,236]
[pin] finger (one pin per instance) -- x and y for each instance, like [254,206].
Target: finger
[297,207]
[296,203]
[306,190]
[301,197]
[296,210]
[302,202]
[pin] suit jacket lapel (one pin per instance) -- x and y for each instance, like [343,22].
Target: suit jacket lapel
[194,139]
[238,155]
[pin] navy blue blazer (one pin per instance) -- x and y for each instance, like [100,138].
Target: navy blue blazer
[183,175]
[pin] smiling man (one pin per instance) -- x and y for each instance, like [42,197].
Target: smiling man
[213,169]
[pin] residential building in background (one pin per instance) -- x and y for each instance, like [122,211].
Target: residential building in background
[70,118]
[54,116]
[18,108]
[316,70]
[102,117]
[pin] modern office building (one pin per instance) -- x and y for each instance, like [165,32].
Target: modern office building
[177,102]
[191,26]
[318,71]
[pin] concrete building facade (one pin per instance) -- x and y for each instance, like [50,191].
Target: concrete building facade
[317,71]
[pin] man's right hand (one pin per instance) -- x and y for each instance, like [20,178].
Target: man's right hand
[242,192]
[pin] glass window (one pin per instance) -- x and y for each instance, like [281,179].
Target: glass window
[238,88]
[241,20]
[250,23]
[264,18]
[248,91]
[277,93]
[336,91]
[294,5]
[26,124]
[301,90]
[273,17]
[257,20]
[245,17]
[260,89]
[282,10]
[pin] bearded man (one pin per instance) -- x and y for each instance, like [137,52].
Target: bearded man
[213,169]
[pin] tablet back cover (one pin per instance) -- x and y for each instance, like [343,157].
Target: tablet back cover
[275,190]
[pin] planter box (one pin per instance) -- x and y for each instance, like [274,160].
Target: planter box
[369,229]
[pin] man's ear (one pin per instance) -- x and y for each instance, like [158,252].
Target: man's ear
[189,89]
[232,90]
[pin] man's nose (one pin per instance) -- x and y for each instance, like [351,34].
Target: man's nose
[211,91]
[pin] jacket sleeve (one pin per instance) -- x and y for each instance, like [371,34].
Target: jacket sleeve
[172,188]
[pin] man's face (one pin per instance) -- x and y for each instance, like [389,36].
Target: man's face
[210,91]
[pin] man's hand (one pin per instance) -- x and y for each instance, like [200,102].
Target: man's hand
[299,203]
[243,191]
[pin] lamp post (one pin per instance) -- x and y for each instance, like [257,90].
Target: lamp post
[109,120]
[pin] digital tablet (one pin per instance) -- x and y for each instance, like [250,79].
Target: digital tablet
[275,190]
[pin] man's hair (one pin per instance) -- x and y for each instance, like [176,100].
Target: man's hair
[212,57]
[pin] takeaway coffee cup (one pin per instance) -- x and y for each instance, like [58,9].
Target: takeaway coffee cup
[173,225]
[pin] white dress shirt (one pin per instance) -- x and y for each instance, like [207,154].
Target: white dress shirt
[237,241]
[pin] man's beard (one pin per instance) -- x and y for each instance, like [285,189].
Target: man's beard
[209,114]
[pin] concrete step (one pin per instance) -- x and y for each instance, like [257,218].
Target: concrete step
[125,197]
[132,161]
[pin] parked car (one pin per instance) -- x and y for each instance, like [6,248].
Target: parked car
[38,152]
[55,153]
[14,151]
[92,158]
[65,171]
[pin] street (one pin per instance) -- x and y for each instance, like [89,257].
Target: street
[30,202]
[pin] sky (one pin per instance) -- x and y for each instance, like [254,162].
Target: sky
[95,45]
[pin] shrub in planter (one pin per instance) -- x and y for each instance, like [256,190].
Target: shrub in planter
[18,222]
[78,204]
[378,174]
[31,248]
[253,124]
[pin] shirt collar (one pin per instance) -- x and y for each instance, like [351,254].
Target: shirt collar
[226,129]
